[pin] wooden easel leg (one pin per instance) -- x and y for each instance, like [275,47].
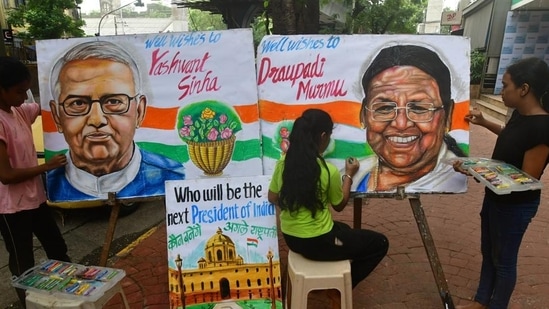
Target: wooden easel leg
[432,254]
[115,210]
[357,212]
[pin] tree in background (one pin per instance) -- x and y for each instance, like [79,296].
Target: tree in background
[205,21]
[294,16]
[158,10]
[46,19]
[367,16]
[261,27]
[478,61]
[386,16]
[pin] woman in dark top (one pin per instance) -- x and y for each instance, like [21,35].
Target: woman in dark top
[524,143]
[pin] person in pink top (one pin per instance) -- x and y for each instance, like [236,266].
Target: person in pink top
[23,208]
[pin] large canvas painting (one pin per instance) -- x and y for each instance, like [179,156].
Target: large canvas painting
[398,103]
[131,112]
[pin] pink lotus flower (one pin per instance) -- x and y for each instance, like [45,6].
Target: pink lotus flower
[185,131]
[223,119]
[187,120]
[208,123]
[226,133]
[284,132]
[284,145]
[212,135]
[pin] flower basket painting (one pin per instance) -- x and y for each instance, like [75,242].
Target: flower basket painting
[209,128]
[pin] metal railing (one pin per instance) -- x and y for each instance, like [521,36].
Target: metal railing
[24,53]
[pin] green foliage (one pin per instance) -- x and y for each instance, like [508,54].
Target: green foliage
[261,26]
[205,21]
[207,121]
[478,58]
[92,14]
[387,16]
[128,12]
[158,10]
[46,19]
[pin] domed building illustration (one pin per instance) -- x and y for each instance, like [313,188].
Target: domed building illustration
[220,251]
[222,275]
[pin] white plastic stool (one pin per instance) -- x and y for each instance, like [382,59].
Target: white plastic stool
[307,275]
[37,300]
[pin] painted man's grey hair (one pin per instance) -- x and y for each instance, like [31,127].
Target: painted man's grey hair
[93,50]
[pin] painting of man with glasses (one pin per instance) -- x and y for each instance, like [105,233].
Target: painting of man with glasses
[407,113]
[102,155]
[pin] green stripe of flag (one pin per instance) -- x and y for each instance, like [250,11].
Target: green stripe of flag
[464,147]
[243,150]
[343,149]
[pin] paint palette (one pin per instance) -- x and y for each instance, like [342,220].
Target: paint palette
[500,177]
[69,280]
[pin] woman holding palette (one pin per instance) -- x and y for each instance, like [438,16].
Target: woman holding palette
[524,143]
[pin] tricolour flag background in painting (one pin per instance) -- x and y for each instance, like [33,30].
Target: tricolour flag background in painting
[230,61]
[325,72]
[252,242]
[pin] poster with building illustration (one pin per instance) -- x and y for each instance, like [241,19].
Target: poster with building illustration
[397,101]
[222,244]
[170,106]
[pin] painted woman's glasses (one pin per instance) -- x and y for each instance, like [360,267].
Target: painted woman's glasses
[415,111]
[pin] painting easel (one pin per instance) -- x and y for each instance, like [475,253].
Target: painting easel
[424,231]
[115,204]
[115,210]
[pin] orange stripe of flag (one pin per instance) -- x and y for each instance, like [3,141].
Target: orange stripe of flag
[163,118]
[345,112]
[458,117]
[160,118]
[248,113]
[47,122]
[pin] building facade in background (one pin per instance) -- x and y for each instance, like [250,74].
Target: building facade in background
[114,22]
[108,5]
[431,18]
[506,30]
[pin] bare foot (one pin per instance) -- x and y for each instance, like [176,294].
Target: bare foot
[473,305]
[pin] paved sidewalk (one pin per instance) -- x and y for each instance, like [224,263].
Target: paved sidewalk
[404,278]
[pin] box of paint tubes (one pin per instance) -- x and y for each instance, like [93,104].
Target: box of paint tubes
[498,176]
[69,280]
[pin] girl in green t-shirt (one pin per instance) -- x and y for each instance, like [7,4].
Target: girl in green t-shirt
[304,186]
